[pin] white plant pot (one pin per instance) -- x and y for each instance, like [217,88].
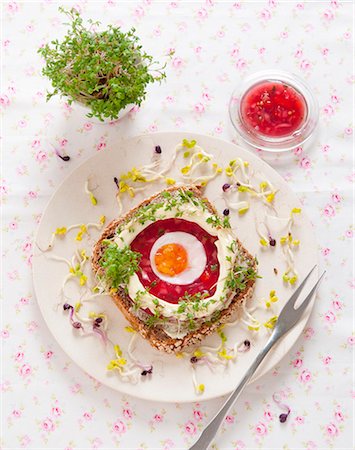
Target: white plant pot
[85,110]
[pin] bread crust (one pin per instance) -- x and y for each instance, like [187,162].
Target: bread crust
[156,335]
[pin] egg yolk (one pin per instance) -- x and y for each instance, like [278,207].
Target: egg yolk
[171,259]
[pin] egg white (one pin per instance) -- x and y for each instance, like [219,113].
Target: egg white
[196,257]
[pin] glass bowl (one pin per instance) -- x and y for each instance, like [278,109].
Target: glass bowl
[274,111]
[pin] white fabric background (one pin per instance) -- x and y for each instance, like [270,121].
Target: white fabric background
[47,401]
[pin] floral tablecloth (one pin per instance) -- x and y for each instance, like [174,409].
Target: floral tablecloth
[48,402]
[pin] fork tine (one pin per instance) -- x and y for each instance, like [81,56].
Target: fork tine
[291,302]
[307,300]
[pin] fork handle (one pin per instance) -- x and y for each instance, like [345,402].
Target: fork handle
[210,431]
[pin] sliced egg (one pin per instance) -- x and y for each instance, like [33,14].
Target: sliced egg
[178,258]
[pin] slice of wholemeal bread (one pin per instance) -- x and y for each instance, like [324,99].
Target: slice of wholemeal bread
[156,335]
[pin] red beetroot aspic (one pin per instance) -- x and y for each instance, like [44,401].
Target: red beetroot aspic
[169,292]
[273,109]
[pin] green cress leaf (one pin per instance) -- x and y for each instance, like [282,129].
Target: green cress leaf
[119,264]
[105,70]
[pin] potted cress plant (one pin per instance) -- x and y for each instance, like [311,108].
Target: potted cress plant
[104,71]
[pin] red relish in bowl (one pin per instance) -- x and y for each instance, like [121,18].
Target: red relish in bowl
[273,109]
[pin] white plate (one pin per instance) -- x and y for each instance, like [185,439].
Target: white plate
[171,380]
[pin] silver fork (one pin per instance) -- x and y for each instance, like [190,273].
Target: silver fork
[288,318]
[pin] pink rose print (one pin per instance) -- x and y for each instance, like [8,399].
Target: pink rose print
[229,419]
[305,163]
[297,363]
[198,50]
[57,412]
[88,126]
[127,413]
[24,300]
[347,35]
[119,427]
[5,334]
[16,413]
[32,194]
[12,7]
[299,420]
[75,388]
[298,151]
[218,130]
[32,326]
[237,5]
[351,340]
[328,15]
[13,225]
[25,441]
[330,317]
[298,53]
[19,356]
[197,415]
[41,156]
[101,145]
[202,13]
[63,142]
[48,354]
[305,376]
[241,64]
[334,98]
[284,35]
[220,34]
[169,99]
[177,62]
[265,14]
[261,50]
[336,198]
[4,100]
[326,251]
[348,131]
[349,233]
[235,51]
[153,127]
[337,305]
[332,430]
[268,415]
[329,211]
[158,418]
[339,416]
[325,148]
[87,416]
[305,64]
[199,108]
[190,428]
[48,425]
[22,123]
[139,12]
[36,143]
[260,429]
[239,445]
[328,110]
[206,96]
[334,4]
[325,51]
[25,370]
[327,360]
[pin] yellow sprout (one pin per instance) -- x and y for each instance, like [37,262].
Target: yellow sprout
[170,181]
[270,197]
[242,211]
[102,219]
[264,242]
[201,388]
[60,231]
[93,199]
[130,330]
[185,170]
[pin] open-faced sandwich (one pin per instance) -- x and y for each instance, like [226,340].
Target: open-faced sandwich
[174,268]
